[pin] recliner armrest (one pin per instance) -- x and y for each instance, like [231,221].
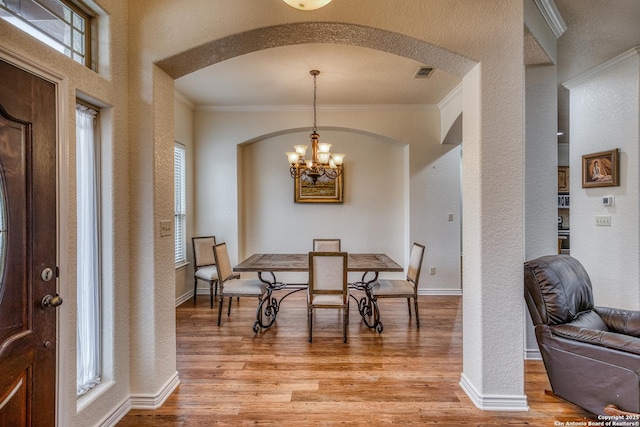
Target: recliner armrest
[617,341]
[625,322]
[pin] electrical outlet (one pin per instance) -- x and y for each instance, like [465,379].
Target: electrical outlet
[165,228]
[450,217]
[432,270]
[603,220]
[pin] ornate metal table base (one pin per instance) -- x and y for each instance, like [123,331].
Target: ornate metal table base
[272,307]
[368,304]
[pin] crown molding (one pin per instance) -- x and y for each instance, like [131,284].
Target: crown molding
[283,108]
[551,14]
[606,66]
[183,100]
[451,96]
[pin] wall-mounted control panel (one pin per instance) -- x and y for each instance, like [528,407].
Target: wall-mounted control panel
[607,200]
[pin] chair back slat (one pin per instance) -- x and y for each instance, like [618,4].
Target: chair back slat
[203,251]
[326,245]
[415,263]
[222,262]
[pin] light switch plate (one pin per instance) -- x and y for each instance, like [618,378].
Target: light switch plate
[166,228]
[603,220]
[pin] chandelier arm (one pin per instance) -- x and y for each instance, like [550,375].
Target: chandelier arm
[333,173]
[297,172]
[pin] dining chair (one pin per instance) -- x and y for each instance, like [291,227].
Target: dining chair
[230,285]
[204,265]
[407,288]
[326,245]
[328,286]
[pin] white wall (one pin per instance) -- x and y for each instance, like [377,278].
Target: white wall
[371,218]
[604,116]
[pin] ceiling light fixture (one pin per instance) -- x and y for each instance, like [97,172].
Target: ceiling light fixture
[307,4]
[324,165]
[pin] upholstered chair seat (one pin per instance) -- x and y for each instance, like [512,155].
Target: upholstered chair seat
[207,273]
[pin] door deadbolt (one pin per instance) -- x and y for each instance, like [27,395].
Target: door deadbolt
[47,274]
[51,301]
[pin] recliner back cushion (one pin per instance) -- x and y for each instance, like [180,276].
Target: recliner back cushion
[560,288]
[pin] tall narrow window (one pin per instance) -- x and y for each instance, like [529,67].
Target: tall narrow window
[87,173]
[179,159]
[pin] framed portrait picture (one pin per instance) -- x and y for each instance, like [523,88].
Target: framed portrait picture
[322,191]
[600,169]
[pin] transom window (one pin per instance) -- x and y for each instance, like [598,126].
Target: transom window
[61,24]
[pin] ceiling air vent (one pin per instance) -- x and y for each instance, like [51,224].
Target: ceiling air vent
[423,72]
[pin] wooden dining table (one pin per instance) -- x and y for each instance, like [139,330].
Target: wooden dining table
[267,265]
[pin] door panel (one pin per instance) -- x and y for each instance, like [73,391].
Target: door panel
[27,247]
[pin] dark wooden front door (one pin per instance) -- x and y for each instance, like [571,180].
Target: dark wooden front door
[27,248]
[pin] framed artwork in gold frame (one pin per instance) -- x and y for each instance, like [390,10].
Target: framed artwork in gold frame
[600,169]
[563,179]
[323,191]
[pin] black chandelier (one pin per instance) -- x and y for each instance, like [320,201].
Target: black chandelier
[323,165]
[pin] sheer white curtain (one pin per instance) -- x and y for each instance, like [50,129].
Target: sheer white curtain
[88,346]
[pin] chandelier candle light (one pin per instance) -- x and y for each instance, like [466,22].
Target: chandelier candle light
[323,163]
[307,4]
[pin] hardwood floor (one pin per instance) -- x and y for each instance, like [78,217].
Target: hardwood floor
[408,376]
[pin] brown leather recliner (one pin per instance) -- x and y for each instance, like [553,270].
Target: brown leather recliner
[591,354]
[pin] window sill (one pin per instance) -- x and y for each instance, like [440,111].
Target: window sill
[182,265]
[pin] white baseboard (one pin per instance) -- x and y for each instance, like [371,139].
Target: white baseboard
[493,402]
[145,401]
[154,401]
[440,292]
[532,354]
[183,298]
[118,414]
[434,292]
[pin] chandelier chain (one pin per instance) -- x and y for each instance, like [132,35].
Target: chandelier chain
[314,103]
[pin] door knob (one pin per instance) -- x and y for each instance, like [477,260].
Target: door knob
[51,301]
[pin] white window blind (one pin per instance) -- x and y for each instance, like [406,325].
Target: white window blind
[88,250]
[179,159]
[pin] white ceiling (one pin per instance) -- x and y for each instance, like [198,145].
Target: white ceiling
[598,30]
[349,75]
